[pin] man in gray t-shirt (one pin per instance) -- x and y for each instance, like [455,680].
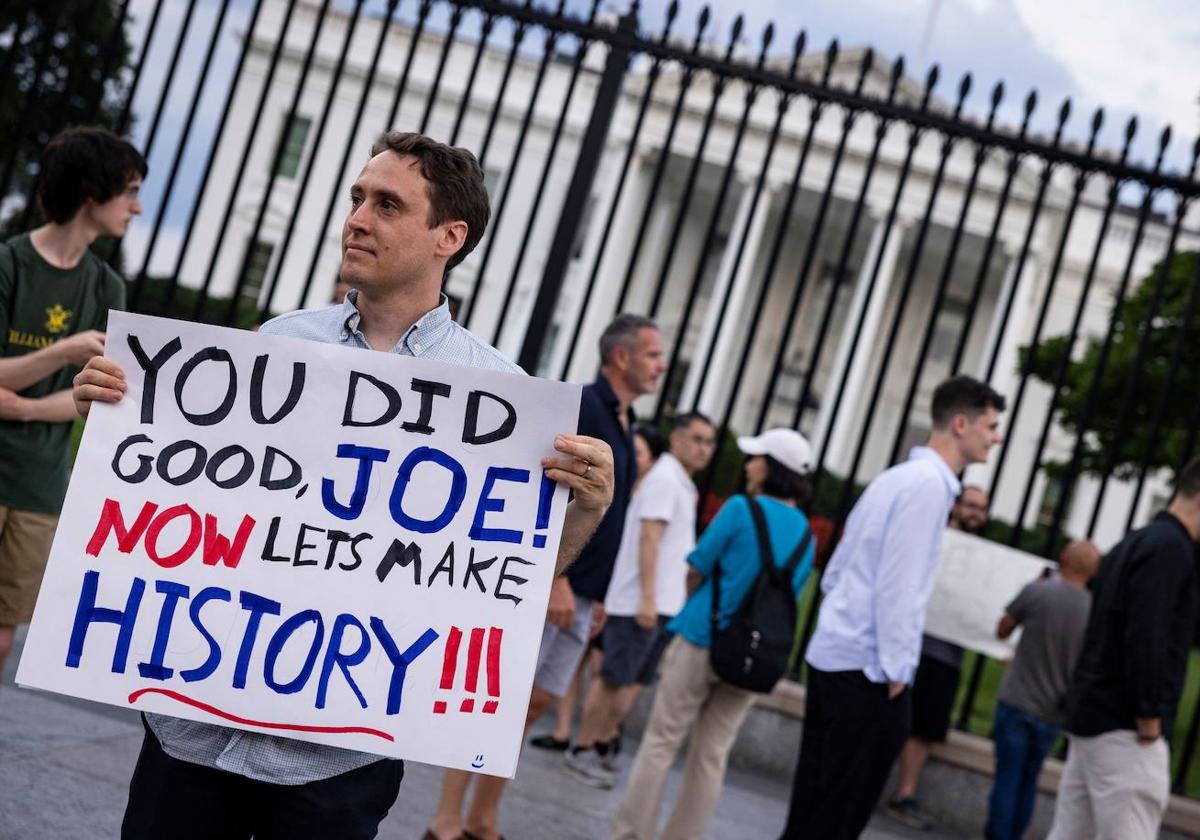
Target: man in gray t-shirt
[1053,615]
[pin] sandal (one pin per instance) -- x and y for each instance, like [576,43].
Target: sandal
[548,742]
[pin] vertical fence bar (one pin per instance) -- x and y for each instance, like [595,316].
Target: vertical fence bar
[305,179]
[944,278]
[168,190]
[456,17]
[664,156]
[173,282]
[385,26]
[1092,402]
[110,56]
[544,180]
[235,187]
[135,82]
[1081,177]
[590,151]
[485,32]
[1014,161]
[273,178]
[549,45]
[631,148]
[414,44]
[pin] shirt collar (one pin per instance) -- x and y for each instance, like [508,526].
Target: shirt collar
[427,332]
[924,453]
[608,396]
[1167,516]
[673,464]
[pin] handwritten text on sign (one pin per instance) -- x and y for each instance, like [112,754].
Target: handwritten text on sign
[346,547]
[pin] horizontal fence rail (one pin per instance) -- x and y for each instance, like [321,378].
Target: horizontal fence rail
[821,236]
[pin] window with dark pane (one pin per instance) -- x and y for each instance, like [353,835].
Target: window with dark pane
[291,155]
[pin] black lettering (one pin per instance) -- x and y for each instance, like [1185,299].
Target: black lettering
[471,421]
[504,575]
[256,389]
[151,367]
[144,461]
[268,467]
[208,354]
[192,472]
[428,390]
[268,552]
[218,460]
[398,554]
[392,395]
[445,565]
[358,557]
[301,545]
[474,568]
[335,538]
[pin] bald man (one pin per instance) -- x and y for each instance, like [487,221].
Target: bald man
[1053,613]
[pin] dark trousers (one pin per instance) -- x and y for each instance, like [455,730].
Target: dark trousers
[852,735]
[185,801]
[1022,742]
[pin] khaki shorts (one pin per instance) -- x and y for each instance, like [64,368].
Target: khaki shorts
[25,539]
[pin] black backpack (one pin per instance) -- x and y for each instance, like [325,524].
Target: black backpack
[752,652]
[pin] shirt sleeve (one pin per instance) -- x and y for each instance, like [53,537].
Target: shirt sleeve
[911,541]
[1155,577]
[1018,608]
[656,498]
[718,535]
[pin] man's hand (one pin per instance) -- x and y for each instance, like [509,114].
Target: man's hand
[586,466]
[561,611]
[647,615]
[1149,730]
[80,347]
[895,689]
[599,617]
[101,379]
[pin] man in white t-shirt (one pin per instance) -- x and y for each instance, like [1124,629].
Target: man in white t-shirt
[648,587]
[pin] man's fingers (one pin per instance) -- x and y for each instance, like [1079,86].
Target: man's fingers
[95,393]
[105,365]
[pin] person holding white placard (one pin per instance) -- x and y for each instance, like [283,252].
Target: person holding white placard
[417,209]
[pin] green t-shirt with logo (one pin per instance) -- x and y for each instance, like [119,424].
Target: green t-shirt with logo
[41,304]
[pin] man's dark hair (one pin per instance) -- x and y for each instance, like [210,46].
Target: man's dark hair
[685,420]
[963,395]
[85,163]
[622,331]
[653,437]
[455,184]
[785,483]
[1187,483]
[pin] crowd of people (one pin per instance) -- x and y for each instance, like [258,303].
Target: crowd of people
[644,597]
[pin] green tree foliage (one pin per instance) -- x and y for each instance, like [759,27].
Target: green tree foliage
[80,51]
[1100,441]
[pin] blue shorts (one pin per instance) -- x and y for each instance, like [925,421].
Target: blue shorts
[632,653]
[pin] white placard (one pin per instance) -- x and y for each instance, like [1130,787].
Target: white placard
[976,580]
[346,547]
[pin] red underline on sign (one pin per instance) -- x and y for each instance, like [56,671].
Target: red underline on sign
[295,727]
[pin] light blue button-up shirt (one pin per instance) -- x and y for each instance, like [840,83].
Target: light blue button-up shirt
[879,579]
[270,758]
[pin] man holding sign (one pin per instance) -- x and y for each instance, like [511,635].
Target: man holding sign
[417,209]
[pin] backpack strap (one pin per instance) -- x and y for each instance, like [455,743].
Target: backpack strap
[798,554]
[764,535]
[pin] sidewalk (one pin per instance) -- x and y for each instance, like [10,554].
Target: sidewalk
[65,766]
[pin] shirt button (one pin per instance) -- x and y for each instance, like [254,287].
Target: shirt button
[417,346]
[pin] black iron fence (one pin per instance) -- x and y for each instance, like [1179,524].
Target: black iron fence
[821,236]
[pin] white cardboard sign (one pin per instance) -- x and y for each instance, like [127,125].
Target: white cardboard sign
[345,547]
[976,580]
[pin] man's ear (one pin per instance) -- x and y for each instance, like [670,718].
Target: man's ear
[959,424]
[454,237]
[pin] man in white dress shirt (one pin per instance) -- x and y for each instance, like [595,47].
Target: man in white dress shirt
[863,655]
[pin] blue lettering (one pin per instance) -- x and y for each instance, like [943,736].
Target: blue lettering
[256,605]
[209,593]
[458,490]
[275,646]
[87,614]
[400,661]
[366,457]
[154,669]
[487,503]
[345,661]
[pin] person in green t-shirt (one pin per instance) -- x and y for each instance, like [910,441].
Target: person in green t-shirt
[55,295]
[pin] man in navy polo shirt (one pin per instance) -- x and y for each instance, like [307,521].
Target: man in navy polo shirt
[631,365]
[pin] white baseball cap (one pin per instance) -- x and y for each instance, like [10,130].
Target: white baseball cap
[787,446]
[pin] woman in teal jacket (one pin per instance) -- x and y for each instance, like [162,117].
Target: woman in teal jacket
[690,697]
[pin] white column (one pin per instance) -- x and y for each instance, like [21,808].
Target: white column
[731,287]
[1008,288]
[855,361]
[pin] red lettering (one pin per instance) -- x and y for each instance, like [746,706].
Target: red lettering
[189,546]
[217,548]
[111,519]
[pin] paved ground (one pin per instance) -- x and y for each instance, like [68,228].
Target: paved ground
[65,765]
